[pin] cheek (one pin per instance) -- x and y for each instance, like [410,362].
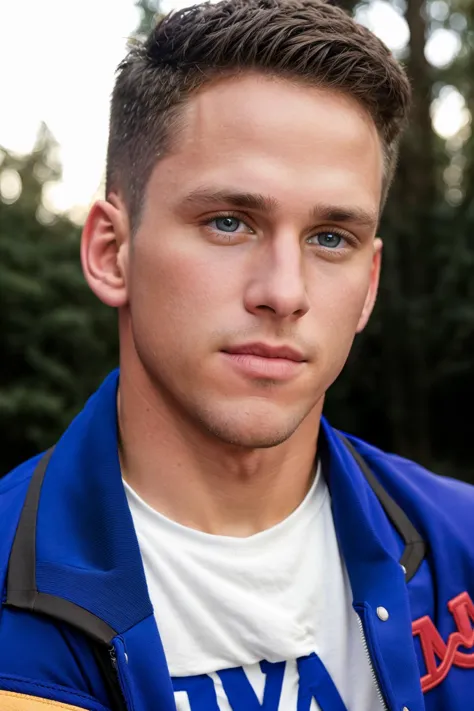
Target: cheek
[176,288]
[338,296]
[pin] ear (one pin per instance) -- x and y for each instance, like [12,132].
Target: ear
[105,248]
[373,285]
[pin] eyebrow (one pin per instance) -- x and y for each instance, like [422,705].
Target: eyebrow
[251,201]
[356,215]
[267,204]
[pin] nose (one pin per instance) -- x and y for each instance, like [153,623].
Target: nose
[277,282]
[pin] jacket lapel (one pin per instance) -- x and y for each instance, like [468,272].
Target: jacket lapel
[373,550]
[76,557]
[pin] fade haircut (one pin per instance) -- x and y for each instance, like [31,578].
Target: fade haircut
[307,40]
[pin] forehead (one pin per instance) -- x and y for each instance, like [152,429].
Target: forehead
[272,134]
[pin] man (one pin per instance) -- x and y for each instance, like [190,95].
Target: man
[200,538]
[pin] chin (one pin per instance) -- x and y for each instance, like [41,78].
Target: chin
[252,430]
[252,440]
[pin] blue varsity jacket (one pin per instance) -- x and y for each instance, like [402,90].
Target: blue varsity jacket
[77,629]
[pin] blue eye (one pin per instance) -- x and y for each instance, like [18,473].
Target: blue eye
[226,224]
[330,240]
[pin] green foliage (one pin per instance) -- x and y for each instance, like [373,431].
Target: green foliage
[149,13]
[410,379]
[57,340]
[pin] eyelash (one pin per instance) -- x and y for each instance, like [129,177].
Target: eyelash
[348,238]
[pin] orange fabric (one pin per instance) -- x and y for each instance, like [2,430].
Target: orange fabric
[11,701]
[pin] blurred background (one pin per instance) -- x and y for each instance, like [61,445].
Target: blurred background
[409,382]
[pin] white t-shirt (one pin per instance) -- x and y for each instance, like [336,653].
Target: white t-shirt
[226,607]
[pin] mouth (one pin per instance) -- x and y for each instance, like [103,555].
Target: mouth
[264,350]
[265,362]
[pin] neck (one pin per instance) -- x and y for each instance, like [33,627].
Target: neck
[194,478]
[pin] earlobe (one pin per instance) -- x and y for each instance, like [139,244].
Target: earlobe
[104,251]
[373,285]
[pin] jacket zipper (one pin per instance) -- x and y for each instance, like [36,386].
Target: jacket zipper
[113,659]
[383,705]
[121,703]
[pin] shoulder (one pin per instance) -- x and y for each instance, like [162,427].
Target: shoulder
[13,489]
[17,479]
[429,499]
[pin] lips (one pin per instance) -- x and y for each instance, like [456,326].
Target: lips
[263,362]
[264,350]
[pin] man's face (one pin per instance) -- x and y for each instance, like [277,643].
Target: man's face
[258,234]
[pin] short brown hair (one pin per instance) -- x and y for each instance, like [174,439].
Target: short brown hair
[309,40]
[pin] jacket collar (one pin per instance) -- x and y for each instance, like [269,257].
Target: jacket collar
[76,554]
